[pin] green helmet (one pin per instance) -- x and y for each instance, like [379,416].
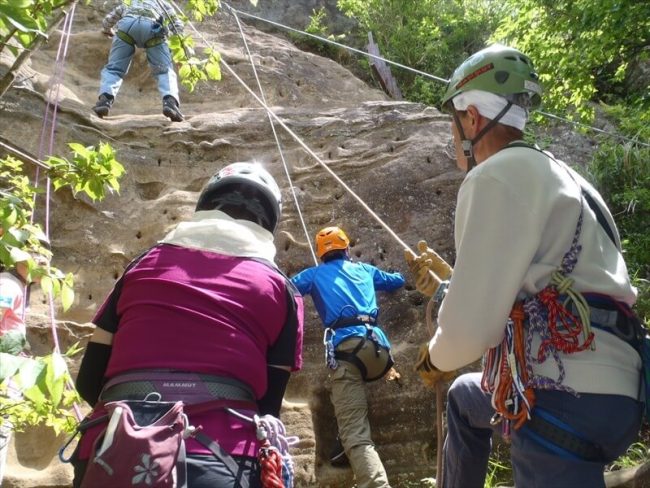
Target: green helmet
[500,70]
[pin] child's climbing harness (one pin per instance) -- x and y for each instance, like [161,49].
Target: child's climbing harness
[373,365]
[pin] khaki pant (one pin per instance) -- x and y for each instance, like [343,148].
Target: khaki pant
[348,395]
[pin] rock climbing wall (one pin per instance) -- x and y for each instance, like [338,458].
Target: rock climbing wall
[391,154]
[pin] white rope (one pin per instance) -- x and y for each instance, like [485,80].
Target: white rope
[425,74]
[349,48]
[595,129]
[277,140]
[301,142]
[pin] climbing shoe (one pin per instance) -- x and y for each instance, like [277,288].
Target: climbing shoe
[337,456]
[171,110]
[103,105]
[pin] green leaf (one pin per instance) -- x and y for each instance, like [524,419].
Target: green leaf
[10,364]
[185,71]
[29,373]
[213,71]
[79,149]
[35,394]
[46,285]
[55,377]
[67,296]
[18,255]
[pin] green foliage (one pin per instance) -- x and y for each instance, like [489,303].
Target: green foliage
[25,20]
[622,174]
[636,454]
[89,172]
[191,68]
[433,36]
[20,240]
[201,9]
[45,395]
[318,27]
[581,48]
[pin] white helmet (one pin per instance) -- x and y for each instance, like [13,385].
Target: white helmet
[244,187]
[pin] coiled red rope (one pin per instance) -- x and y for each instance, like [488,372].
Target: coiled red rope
[271,463]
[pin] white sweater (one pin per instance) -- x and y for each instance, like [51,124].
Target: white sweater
[515,218]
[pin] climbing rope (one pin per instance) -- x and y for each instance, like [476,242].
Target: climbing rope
[505,375]
[275,460]
[275,135]
[440,429]
[338,44]
[299,140]
[50,120]
[423,73]
[52,102]
[507,368]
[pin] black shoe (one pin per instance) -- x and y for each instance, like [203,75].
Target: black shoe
[337,456]
[171,110]
[103,105]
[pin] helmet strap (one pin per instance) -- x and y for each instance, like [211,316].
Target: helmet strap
[468,144]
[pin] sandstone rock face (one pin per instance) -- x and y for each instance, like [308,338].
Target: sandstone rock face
[392,155]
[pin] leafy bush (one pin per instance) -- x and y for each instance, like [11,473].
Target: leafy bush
[45,386]
[433,36]
[46,394]
[581,48]
[622,174]
[318,27]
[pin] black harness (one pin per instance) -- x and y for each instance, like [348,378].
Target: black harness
[605,314]
[352,356]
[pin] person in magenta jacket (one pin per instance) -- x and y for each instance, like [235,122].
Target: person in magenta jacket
[209,300]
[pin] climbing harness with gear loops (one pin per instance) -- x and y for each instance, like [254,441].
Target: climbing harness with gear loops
[507,368]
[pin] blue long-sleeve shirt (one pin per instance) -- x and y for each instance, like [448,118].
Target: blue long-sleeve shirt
[342,288]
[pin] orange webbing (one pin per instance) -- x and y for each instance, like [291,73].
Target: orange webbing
[503,393]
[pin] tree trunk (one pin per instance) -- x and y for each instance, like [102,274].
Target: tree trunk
[10,76]
[4,42]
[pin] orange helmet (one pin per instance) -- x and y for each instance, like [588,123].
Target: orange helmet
[330,239]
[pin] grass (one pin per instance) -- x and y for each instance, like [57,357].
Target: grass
[500,471]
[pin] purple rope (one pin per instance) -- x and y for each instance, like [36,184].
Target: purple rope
[58,79]
[52,100]
[538,323]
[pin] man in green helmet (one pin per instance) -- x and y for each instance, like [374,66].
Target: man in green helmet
[539,289]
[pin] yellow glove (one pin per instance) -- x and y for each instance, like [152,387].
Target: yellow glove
[429,269]
[430,375]
[438,265]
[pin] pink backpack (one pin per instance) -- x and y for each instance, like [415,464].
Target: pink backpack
[142,446]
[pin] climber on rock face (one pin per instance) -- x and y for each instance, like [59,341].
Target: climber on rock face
[144,24]
[357,349]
